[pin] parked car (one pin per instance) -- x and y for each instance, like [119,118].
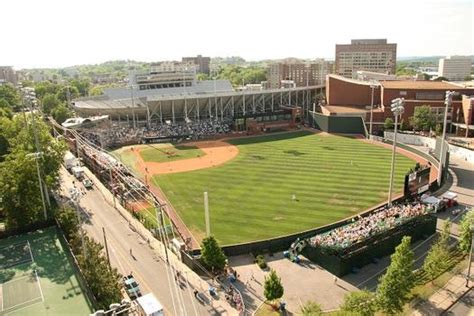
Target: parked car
[87,183]
[132,287]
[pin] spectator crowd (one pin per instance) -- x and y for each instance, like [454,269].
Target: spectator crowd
[363,228]
[119,135]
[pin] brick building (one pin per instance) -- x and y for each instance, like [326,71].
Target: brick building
[202,63]
[302,73]
[374,55]
[350,97]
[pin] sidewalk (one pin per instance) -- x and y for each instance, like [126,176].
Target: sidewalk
[443,299]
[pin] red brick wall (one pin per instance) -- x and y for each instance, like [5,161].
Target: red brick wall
[341,92]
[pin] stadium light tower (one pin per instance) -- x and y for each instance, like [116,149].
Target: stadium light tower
[373,85]
[447,101]
[397,107]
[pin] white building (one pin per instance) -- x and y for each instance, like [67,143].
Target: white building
[455,68]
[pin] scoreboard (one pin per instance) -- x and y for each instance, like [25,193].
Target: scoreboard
[417,182]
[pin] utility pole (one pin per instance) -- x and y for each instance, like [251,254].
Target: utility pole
[106,248]
[468,275]
[159,221]
[206,215]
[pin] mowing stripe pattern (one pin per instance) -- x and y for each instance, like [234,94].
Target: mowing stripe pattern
[251,197]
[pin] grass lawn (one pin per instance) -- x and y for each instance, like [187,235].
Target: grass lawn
[153,153]
[58,279]
[250,197]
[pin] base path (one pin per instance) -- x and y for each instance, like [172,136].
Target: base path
[215,153]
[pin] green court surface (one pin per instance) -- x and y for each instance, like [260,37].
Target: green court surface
[43,280]
[251,197]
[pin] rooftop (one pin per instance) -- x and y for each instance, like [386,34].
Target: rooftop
[418,85]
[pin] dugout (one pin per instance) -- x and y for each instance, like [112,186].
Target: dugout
[344,261]
[285,118]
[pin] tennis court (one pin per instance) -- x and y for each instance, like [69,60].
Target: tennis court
[37,277]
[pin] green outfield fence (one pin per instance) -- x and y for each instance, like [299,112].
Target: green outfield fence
[338,124]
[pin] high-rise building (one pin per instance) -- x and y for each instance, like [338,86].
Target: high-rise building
[455,68]
[8,75]
[366,54]
[166,74]
[301,73]
[202,63]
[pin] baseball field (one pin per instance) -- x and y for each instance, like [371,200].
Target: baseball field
[276,184]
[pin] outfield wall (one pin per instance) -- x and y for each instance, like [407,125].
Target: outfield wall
[337,124]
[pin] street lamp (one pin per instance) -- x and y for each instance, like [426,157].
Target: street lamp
[373,85]
[397,108]
[468,275]
[447,101]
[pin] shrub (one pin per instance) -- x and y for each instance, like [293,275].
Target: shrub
[260,260]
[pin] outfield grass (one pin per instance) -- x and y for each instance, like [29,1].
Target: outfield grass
[57,276]
[250,197]
[154,153]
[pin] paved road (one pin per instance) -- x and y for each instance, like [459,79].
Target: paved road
[130,253]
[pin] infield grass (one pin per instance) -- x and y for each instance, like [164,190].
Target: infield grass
[250,197]
[153,153]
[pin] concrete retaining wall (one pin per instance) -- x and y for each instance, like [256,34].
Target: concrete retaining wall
[409,139]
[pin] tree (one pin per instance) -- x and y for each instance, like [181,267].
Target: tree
[19,187]
[311,308]
[388,124]
[465,235]
[438,129]
[423,119]
[212,255]
[404,125]
[61,113]
[202,76]
[5,109]
[273,289]
[361,302]
[436,260]
[103,281]
[82,86]
[468,78]
[69,222]
[49,102]
[11,95]
[395,285]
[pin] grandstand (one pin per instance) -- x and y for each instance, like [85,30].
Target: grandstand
[205,100]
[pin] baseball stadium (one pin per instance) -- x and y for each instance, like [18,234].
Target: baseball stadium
[267,171]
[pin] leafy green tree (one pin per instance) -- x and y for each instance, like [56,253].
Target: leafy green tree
[49,102]
[438,129]
[61,113]
[19,187]
[395,285]
[272,288]
[69,222]
[423,119]
[103,282]
[5,109]
[66,90]
[388,124]
[82,85]
[202,76]
[11,96]
[404,125]
[360,302]
[311,308]
[465,235]
[437,259]
[212,255]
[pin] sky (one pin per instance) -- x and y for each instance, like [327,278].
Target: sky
[55,33]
